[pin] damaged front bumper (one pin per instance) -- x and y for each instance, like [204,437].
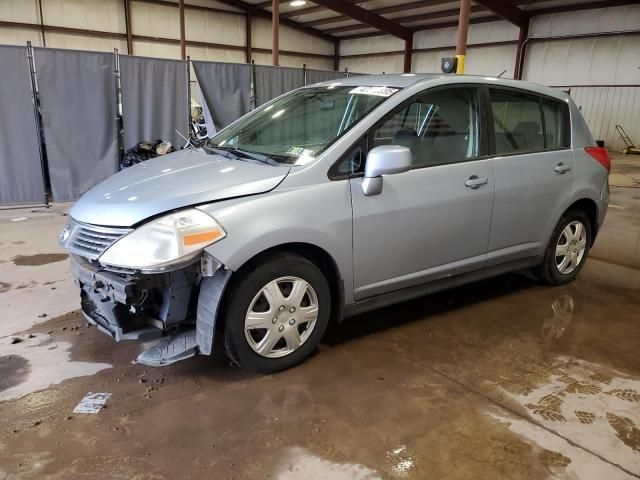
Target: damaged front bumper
[179,307]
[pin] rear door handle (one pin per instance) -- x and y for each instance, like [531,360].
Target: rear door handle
[561,168]
[474,181]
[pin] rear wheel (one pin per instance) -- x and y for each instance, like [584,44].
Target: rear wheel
[276,314]
[567,250]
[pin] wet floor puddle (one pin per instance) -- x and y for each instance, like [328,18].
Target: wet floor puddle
[39,259]
[592,406]
[34,361]
[298,464]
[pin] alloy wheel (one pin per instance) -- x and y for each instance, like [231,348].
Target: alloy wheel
[571,247]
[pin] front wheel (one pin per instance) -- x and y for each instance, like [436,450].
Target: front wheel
[567,250]
[276,314]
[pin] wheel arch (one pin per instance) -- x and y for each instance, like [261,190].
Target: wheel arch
[590,208]
[316,255]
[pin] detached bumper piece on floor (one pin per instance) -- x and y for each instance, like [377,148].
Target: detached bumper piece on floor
[170,350]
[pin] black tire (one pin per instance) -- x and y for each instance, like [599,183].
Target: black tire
[548,272]
[240,294]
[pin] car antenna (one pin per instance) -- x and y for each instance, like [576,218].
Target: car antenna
[188,144]
[503,72]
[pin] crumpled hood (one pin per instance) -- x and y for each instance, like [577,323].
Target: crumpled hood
[176,180]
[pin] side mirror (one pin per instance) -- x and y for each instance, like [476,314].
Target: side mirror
[384,160]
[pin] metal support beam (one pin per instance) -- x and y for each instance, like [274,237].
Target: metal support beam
[520,52]
[44,40]
[574,7]
[248,54]
[410,19]
[336,55]
[366,16]
[463,30]
[316,9]
[404,7]
[275,30]
[268,4]
[408,54]
[506,10]
[431,26]
[183,45]
[127,23]
[258,13]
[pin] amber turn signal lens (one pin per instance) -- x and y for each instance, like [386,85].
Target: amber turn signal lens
[204,237]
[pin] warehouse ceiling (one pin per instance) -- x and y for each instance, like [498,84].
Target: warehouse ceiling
[345,19]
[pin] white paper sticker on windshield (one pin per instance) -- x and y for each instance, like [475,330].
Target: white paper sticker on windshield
[295,151]
[378,91]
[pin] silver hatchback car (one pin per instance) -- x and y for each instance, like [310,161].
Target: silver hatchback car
[332,200]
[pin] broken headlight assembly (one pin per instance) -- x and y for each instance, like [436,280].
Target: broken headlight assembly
[165,243]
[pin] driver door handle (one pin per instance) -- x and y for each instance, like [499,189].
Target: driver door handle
[561,168]
[474,181]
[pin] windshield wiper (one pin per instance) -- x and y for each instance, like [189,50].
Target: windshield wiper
[245,153]
[259,157]
[227,153]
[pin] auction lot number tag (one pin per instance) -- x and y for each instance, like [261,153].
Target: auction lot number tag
[378,91]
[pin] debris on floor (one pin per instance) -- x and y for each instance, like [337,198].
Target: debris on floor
[92,403]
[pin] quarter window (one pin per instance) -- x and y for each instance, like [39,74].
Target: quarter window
[353,162]
[517,122]
[554,125]
[439,127]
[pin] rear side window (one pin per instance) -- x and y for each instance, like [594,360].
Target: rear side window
[528,123]
[517,122]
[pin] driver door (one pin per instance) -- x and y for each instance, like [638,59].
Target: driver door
[434,220]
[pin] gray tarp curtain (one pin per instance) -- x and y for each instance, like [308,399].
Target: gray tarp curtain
[155,99]
[271,82]
[226,88]
[20,166]
[317,76]
[78,107]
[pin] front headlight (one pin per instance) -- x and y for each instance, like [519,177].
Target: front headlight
[171,239]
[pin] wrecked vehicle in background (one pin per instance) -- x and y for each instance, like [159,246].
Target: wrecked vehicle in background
[332,200]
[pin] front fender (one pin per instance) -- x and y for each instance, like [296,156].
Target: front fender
[318,215]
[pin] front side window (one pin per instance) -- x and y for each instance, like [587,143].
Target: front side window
[517,122]
[438,127]
[300,125]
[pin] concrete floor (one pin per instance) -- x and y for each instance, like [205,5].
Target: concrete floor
[499,379]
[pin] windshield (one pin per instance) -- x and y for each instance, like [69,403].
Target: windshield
[298,126]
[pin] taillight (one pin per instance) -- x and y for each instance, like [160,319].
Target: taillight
[601,155]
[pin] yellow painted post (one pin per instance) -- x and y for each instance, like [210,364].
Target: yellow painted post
[460,67]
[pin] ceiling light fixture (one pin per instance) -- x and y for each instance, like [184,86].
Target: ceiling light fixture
[298,3]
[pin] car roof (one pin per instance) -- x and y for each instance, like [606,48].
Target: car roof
[396,80]
[407,79]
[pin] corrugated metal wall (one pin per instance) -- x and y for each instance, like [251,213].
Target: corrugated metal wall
[604,107]
[157,22]
[601,71]
[481,59]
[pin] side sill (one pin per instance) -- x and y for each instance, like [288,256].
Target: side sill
[417,291]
